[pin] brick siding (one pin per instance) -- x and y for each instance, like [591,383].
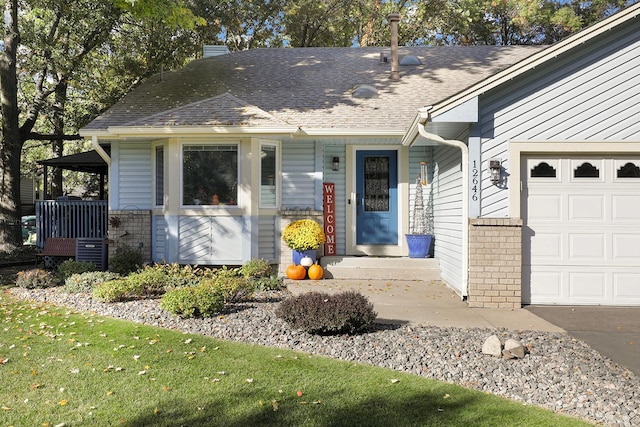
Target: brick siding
[495,263]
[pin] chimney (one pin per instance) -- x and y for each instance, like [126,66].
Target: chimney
[393,19]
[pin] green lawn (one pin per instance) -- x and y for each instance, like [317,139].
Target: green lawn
[61,367]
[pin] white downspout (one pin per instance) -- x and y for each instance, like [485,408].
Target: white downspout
[100,150]
[424,117]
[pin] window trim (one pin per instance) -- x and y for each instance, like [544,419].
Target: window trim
[277,180]
[154,154]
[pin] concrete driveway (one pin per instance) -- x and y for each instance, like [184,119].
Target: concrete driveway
[613,331]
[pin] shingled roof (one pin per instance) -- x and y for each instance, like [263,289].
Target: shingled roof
[306,87]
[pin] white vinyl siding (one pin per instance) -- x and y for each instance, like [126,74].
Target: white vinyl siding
[299,178]
[267,244]
[135,175]
[447,213]
[590,95]
[159,238]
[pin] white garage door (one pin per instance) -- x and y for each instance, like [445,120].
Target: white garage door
[581,234]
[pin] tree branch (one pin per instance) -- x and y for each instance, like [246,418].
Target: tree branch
[35,136]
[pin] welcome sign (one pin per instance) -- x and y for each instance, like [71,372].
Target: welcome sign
[329,203]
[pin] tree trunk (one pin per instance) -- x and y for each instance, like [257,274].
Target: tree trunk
[11,144]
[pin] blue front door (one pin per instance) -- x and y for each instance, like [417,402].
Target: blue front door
[377,197]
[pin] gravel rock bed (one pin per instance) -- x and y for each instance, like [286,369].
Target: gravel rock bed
[559,372]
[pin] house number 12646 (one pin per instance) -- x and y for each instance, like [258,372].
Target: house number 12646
[475,177]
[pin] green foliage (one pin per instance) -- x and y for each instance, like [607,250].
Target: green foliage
[69,267]
[126,260]
[200,301]
[115,290]
[231,288]
[85,282]
[256,268]
[183,275]
[37,278]
[150,281]
[320,313]
[272,283]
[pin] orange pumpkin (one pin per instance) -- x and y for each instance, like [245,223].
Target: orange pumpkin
[315,272]
[296,272]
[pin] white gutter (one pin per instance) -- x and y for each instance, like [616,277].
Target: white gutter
[100,150]
[424,116]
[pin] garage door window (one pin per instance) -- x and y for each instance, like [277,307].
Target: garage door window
[629,170]
[543,170]
[586,170]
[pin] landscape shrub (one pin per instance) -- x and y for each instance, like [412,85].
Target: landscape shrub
[125,260]
[256,269]
[36,278]
[150,281]
[85,282]
[69,267]
[115,290]
[231,288]
[320,313]
[199,301]
[184,275]
[272,283]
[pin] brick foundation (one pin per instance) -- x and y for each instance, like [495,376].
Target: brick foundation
[287,217]
[134,231]
[495,263]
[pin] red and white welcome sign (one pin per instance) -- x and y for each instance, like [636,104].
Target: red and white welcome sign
[329,204]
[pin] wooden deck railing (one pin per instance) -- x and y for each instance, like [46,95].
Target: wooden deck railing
[70,218]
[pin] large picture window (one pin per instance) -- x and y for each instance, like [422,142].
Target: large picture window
[209,175]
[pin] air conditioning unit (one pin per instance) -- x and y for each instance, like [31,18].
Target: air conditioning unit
[92,250]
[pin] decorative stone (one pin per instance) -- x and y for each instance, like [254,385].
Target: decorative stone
[492,346]
[514,347]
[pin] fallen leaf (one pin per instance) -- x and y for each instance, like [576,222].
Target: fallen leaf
[299,393]
[274,404]
[62,402]
[249,380]
[143,372]
[394,380]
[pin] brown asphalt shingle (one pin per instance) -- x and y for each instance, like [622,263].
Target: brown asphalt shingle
[307,87]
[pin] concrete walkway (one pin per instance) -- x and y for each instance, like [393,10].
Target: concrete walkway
[428,303]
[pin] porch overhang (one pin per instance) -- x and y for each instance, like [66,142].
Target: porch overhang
[145,132]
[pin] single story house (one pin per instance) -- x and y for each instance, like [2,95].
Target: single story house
[532,152]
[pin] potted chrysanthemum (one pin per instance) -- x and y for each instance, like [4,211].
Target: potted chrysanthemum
[304,237]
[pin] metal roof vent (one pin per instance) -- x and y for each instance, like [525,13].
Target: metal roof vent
[214,50]
[410,60]
[364,91]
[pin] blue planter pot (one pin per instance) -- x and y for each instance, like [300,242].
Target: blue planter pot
[419,245]
[298,255]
